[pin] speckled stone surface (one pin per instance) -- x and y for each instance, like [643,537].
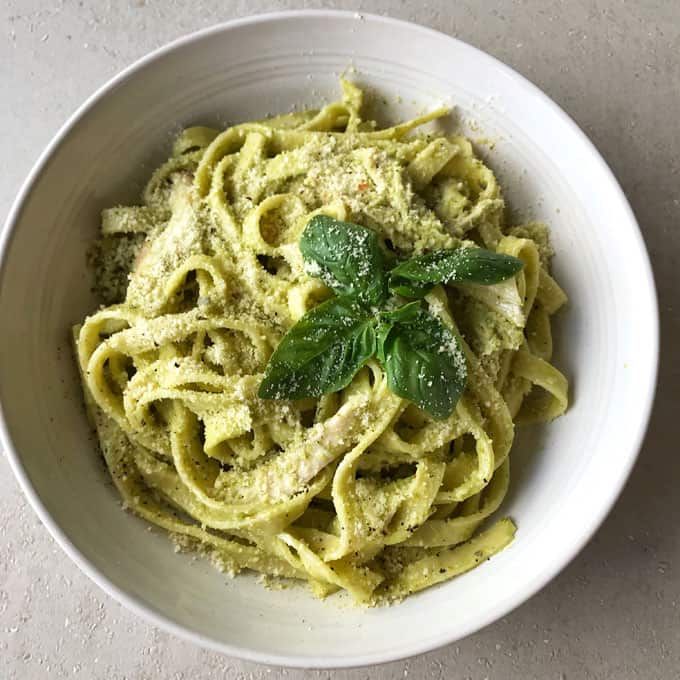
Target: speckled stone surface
[613,613]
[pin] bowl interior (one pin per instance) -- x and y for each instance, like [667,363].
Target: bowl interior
[566,475]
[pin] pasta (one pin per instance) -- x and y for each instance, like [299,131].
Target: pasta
[357,490]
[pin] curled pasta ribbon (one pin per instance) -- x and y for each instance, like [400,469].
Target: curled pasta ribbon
[358,490]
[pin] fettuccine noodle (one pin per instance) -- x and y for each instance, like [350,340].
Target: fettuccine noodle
[358,490]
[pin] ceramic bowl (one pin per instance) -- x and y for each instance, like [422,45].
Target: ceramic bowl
[566,476]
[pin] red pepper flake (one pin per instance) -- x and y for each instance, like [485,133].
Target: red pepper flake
[362,186]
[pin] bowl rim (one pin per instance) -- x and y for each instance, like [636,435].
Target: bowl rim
[607,500]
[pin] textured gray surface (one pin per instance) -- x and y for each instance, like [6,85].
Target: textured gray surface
[613,613]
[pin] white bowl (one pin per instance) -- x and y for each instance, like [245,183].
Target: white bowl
[565,476]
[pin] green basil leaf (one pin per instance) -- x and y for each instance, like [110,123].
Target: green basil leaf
[346,257]
[406,313]
[408,289]
[321,353]
[386,320]
[424,362]
[417,276]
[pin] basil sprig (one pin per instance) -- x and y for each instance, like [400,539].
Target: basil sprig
[422,357]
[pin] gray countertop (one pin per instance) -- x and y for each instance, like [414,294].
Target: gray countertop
[613,613]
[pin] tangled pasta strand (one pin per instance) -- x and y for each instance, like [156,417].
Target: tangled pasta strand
[358,490]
